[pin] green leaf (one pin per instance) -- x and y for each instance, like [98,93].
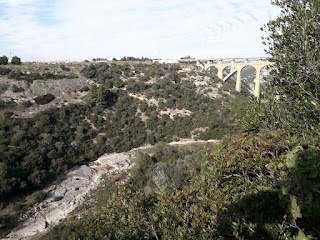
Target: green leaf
[284,190]
[296,149]
[292,157]
[280,165]
[294,208]
[313,173]
[302,236]
[291,160]
[309,198]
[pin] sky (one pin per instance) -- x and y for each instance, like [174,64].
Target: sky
[50,30]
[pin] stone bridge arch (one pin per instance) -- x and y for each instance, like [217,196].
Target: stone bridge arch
[248,75]
[238,67]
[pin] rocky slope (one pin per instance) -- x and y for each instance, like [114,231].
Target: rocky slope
[68,193]
[71,190]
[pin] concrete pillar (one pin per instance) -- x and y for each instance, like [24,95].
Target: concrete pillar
[232,67]
[257,83]
[238,84]
[220,72]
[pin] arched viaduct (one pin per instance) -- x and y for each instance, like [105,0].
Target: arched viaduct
[236,66]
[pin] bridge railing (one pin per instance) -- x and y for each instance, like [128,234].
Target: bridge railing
[233,60]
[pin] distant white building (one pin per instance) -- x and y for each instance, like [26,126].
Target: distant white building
[166,61]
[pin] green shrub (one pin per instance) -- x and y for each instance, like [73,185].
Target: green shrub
[15,60]
[85,89]
[57,198]
[44,99]
[38,196]
[14,88]
[299,193]
[4,71]
[3,87]
[18,75]
[27,104]
[64,68]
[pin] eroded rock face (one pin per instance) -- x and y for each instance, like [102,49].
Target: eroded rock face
[41,87]
[57,87]
[68,193]
[115,161]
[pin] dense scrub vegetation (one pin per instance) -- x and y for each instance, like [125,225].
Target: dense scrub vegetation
[117,116]
[54,139]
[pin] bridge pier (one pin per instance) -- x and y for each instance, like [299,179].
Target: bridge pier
[238,83]
[257,82]
[220,72]
[257,88]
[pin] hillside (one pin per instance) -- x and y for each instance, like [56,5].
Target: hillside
[51,125]
[195,191]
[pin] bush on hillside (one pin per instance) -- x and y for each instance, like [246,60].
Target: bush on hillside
[15,60]
[4,71]
[44,99]
[4,60]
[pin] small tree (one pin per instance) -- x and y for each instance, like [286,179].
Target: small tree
[4,60]
[16,60]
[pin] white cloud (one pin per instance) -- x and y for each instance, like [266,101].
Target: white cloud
[82,29]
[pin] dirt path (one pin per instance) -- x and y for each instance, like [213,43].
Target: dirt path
[70,192]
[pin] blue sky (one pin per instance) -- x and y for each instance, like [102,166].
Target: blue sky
[44,30]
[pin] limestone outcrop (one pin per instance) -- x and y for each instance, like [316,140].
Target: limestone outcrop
[68,193]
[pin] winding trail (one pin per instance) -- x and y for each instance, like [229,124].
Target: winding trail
[69,192]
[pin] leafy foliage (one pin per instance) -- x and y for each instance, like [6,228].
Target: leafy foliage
[30,77]
[300,193]
[292,101]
